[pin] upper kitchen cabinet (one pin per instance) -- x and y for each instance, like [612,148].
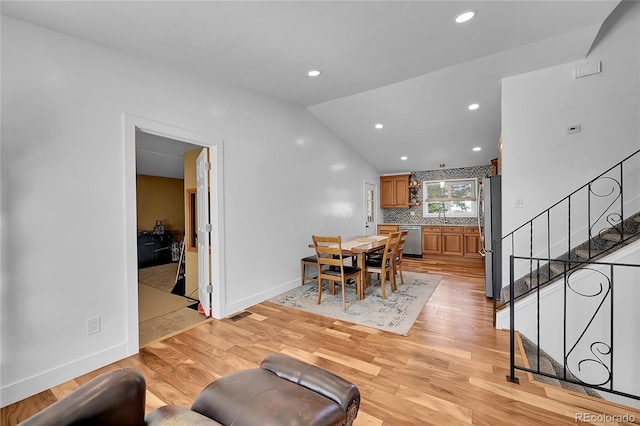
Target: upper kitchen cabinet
[394,192]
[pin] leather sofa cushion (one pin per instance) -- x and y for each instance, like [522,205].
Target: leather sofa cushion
[172,415]
[312,377]
[259,397]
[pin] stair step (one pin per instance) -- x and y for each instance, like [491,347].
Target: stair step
[519,289]
[616,237]
[558,268]
[585,253]
[547,367]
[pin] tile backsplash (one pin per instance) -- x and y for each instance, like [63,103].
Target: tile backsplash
[403,216]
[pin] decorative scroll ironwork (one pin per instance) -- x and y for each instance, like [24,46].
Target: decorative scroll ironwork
[588,360]
[588,357]
[611,218]
[604,197]
[601,347]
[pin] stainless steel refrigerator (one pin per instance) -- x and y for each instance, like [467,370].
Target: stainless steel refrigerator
[492,235]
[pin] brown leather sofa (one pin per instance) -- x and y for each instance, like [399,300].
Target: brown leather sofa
[283,391]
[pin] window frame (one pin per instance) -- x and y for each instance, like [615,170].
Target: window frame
[447,201]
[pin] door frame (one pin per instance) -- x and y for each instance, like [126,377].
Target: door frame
[131,124]
[376,209]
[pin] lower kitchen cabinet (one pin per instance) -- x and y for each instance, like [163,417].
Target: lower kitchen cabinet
[431,240]
[451,240]
[472,243]
[387,229]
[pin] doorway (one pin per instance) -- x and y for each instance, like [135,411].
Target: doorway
[164,307]
[370,216]
[162,142]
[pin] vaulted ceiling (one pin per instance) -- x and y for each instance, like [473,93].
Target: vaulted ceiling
[404,64]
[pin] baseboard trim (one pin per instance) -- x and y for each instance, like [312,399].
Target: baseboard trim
[22,389]
[235,307]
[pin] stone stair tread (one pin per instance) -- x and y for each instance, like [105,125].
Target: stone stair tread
[585,253]
[606,242]
[616,237]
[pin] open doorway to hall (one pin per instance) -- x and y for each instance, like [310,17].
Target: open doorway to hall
[165,182]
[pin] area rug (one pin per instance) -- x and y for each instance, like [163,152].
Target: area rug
[396,314]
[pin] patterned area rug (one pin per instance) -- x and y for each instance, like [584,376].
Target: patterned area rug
[395,314]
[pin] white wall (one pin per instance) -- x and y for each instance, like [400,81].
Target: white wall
[540,163]
[286,176]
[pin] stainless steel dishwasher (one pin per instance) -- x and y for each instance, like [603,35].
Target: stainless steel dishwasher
[413,244]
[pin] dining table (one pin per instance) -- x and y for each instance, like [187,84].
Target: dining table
[358,246]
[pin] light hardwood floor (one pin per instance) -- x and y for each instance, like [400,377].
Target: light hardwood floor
[449,370]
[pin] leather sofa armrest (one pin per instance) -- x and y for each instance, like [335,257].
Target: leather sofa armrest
[337,389]
[112,398]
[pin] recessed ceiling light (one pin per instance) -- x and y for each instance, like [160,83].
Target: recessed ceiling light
[379,126]
[473,107]
[465,16]
[314,73]
[403,158]
[477,148]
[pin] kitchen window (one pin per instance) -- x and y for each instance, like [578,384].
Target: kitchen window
[450,198]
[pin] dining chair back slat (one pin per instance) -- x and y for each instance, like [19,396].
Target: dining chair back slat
[384,265]
[329,253]
[397,265]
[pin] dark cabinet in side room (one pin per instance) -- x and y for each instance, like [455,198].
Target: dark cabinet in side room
[154,249]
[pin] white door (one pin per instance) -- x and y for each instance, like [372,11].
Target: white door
[203,170]
[369,209]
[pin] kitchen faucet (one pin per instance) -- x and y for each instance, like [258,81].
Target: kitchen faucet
[442,211]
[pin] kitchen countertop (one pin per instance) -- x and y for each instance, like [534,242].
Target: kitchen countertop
[430,224]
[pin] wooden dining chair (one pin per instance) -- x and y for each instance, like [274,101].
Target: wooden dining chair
[331,266]
[384,265]
[397,264]
[308,262]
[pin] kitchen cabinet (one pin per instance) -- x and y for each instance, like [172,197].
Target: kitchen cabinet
[387,229]
[431,240]
[472,241]
[394,192]
[451,240]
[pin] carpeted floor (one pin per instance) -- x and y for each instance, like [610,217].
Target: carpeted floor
[161,277]
[162,314]
[395,314]
[152,302]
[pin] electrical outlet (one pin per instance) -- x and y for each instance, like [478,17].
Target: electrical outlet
[93,325]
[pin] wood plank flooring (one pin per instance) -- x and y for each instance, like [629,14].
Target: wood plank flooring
[449,370]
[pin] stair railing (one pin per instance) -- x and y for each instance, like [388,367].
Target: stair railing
[592,336]
[584,225]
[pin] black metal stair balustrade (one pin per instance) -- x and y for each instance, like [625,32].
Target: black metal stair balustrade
[588,335]
[593,215]
[565,245]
